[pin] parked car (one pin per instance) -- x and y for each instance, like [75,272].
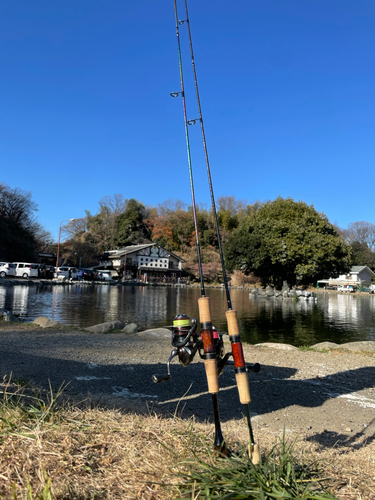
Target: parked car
[26,269]
[346,288]
[50,272]
[63,272]
[7,269]
[106,275]
[88,275]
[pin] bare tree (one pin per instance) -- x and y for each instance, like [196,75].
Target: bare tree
[75,228]
[17,206]
[21,235]
[116,203]
[361,231]
[230,204]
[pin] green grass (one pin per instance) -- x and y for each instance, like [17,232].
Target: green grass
[45,493]
[280,476]
[304,348]
[21,407]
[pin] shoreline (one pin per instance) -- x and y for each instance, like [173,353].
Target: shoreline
[119,368]
[6,282]
[325,399]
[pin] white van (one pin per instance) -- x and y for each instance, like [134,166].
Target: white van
[7,269]
[26,269]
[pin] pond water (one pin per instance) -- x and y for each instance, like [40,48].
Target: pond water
[334,317]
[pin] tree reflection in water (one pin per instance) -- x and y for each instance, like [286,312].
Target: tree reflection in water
[334,317]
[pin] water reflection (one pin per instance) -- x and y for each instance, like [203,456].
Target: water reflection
[21,298]
[335,317]
[351,313]
[3,294]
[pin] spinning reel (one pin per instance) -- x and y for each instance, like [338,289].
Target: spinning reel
[186,342]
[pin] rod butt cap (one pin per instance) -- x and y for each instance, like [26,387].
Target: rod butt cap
[254,453]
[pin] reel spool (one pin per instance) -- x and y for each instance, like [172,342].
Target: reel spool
[185,343]
[183,328]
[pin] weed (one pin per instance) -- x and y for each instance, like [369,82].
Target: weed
[22,407]
[236,477]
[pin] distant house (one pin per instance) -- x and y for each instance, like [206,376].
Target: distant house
[358,276]
[148,262]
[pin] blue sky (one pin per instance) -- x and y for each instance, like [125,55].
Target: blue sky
[286,86]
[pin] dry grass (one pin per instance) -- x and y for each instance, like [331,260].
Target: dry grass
[87,452]
[79,452]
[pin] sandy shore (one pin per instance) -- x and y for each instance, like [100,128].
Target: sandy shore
[330,394]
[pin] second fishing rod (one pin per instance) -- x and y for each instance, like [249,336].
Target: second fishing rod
[231,315]
[207,336]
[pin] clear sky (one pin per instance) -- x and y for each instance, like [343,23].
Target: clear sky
[287,93]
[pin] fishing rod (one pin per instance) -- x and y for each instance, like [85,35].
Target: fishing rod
[186,343]
[231,315]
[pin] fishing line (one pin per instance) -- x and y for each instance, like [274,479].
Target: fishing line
[176,94]
[192,122]
[210,355]
[233,330]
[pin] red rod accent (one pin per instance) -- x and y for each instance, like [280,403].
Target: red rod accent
[239,360]
[208,341]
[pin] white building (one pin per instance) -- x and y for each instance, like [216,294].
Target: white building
[357,276]
[149,262]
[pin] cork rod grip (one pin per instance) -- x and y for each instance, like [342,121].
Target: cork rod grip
[232,323]
[254,453]
[243,388]
[204,310]
[212,376]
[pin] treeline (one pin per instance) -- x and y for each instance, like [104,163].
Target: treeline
[273,241]
[120,222]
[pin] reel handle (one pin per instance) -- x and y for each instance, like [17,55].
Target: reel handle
[255,368]
[161,378]
[250,368]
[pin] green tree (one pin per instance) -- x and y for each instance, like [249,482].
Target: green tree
[287,240]
[131,225]
[362,255]
[94,234]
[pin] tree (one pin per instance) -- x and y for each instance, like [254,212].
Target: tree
[131,226]
[362,232]
[21,236]
[173,225]
[287,240]
[362,255]
[77,253]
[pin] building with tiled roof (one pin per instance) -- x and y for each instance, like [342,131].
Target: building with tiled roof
[148,262]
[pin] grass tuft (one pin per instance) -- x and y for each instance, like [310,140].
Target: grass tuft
[236,477]
[24,408]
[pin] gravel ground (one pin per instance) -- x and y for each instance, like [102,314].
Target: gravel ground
[328,395]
